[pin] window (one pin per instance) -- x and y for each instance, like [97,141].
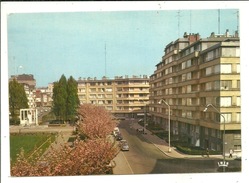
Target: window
[238,83]
[216,85]
[236,136]
[217,69]
[189,76]
[188,63]
[210,55]
[228,117]
[225,68]
[237,147]
[238,68]
[189,114]
[208,71]
[189,101]
[170,80]
[208,86]
[183,65]
[225,101]
[183,113]
[108,89]
[226,85]
[206,131]
[189,89]
[238,117]
[170,90]
[238,101]
[183,77]
[231,52]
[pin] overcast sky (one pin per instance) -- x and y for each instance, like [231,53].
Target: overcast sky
[94,44]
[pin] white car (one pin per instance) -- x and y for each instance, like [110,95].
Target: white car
[125,146]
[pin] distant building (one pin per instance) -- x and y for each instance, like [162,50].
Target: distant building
[29,84]
[195,72]
[123,96]
[43,97]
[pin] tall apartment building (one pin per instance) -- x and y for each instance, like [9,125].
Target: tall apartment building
[195,72]
[123,96]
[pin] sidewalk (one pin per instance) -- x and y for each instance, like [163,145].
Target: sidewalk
[163,146]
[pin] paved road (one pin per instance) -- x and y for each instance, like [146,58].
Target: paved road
[146,157]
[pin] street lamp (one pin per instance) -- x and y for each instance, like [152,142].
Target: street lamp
[19,67]
[144,131]
[222,163]
[160,102]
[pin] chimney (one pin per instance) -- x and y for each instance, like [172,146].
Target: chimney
[193,37]
[212,34]
[185,35]
[236,34]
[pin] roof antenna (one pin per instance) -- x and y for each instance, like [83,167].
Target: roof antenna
[190,14]
[105,59]
[237,12]
[178,16]
[218,21]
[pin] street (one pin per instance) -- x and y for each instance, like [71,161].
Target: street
[145,158]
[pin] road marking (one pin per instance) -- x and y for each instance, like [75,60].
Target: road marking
[127,163]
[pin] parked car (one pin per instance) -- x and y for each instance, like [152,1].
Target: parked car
[115,131]
[140,129]
[122,141]
[119,137]
[125,146]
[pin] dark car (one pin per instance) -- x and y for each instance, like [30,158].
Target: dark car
[119,137]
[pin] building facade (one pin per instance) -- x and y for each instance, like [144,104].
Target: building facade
[123,96]
[29,84]
[195,72]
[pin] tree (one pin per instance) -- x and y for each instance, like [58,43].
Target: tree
[91,157]
[72,98]
[95,121]
[65,98]
[17,99]
[60,98]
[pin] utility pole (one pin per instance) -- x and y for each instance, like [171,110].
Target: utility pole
[105,60]
[218,21]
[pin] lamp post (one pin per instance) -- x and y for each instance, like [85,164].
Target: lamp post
[145,118]
[223,163]
[144,131]
[160,102]
[19,67]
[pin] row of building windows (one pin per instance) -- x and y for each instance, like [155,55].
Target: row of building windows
[223,101]
[112,83]
[216,69]
[101,90]
[209,86]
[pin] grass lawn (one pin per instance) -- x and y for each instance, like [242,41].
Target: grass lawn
[28,142]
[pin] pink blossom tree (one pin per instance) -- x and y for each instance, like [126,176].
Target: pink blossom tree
[90,156]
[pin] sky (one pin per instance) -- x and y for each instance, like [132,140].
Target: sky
[97,44]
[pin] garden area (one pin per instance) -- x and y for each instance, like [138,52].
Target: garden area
[29,142]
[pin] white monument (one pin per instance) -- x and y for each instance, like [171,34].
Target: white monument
[28,117]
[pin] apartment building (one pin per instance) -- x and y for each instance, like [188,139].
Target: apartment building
[29,84]
[195,72]
[123,96]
